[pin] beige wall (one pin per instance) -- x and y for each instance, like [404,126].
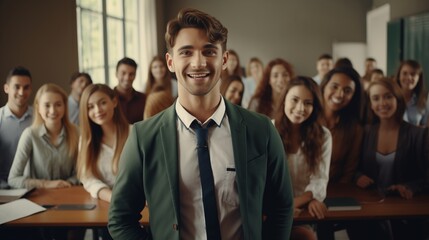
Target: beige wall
[40,35]
[402,8]
[296,30]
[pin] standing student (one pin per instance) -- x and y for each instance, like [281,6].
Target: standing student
[239,173]
[103,132]
[15,116]
[394,156]
[308,147]
[46,153]
[410,79]
[270,92]
[78,82]
[132,102]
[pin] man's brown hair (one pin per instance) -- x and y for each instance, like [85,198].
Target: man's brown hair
[193,18]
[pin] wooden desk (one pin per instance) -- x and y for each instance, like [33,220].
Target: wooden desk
[72,218]
[372,208]
[392,207]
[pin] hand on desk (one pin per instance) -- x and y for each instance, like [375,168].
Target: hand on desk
[56,184]
[317,209]
[364,181]
[403,190]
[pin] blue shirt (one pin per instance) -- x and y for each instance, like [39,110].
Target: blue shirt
[11,129]
[414,115]
[73,108]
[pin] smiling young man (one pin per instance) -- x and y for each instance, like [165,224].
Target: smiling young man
[132,102]
[246,177]
[15,116]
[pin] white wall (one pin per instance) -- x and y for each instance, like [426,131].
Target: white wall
[376,34]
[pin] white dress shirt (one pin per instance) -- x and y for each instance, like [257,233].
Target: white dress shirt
[302,179]
[223,167]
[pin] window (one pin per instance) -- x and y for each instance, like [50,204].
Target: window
[108,30]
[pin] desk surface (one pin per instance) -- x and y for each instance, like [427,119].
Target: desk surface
[71,218]
[373,205]
[391,207]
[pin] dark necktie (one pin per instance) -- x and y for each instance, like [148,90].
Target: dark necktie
[207,181]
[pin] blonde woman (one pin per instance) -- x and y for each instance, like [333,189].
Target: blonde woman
[104,131]
[46,153]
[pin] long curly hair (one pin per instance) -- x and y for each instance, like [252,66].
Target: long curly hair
[264,90]
[311,131]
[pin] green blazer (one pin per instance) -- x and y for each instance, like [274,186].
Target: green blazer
[148,171]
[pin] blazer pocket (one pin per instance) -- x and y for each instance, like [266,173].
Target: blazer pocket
[256,160]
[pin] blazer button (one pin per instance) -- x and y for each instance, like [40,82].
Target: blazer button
[176,227]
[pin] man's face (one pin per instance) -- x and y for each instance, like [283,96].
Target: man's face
[324,65]
[197,62]
[18,90]
[79,85]
[126,75]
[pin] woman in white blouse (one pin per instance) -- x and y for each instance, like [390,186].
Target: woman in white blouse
[104,131]
[308,147]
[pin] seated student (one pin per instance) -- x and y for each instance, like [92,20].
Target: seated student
[343,62]
[234,91]
[270,92]
[370,65]
[394,153]
[233,67]
[78,82]
[132,102]
[324,65]
[308,147]
[254,73]
[156,102]
[159,76]
[410,78]
[342,99]
[15,116]
[376,74]
[46,153]
[104,131]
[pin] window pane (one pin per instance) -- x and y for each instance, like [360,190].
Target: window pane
[115,43]
[97,75]
[131,8]
[113,81]
[91,40]
[114,8]
[95,5]
[131,36]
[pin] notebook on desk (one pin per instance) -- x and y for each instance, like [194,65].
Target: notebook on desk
[342,204]
[8,195]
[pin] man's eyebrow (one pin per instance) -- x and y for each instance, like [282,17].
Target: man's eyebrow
[211,46]
[206,46]
[186,47]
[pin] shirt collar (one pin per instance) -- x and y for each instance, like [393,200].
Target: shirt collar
[188,118]
[9,113]
[44,132]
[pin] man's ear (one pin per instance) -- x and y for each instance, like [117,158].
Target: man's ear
[225,57]
[170,64]
[6,88]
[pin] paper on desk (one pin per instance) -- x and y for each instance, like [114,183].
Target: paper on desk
[18,209]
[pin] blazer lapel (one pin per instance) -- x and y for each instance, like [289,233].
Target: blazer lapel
[168,131]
